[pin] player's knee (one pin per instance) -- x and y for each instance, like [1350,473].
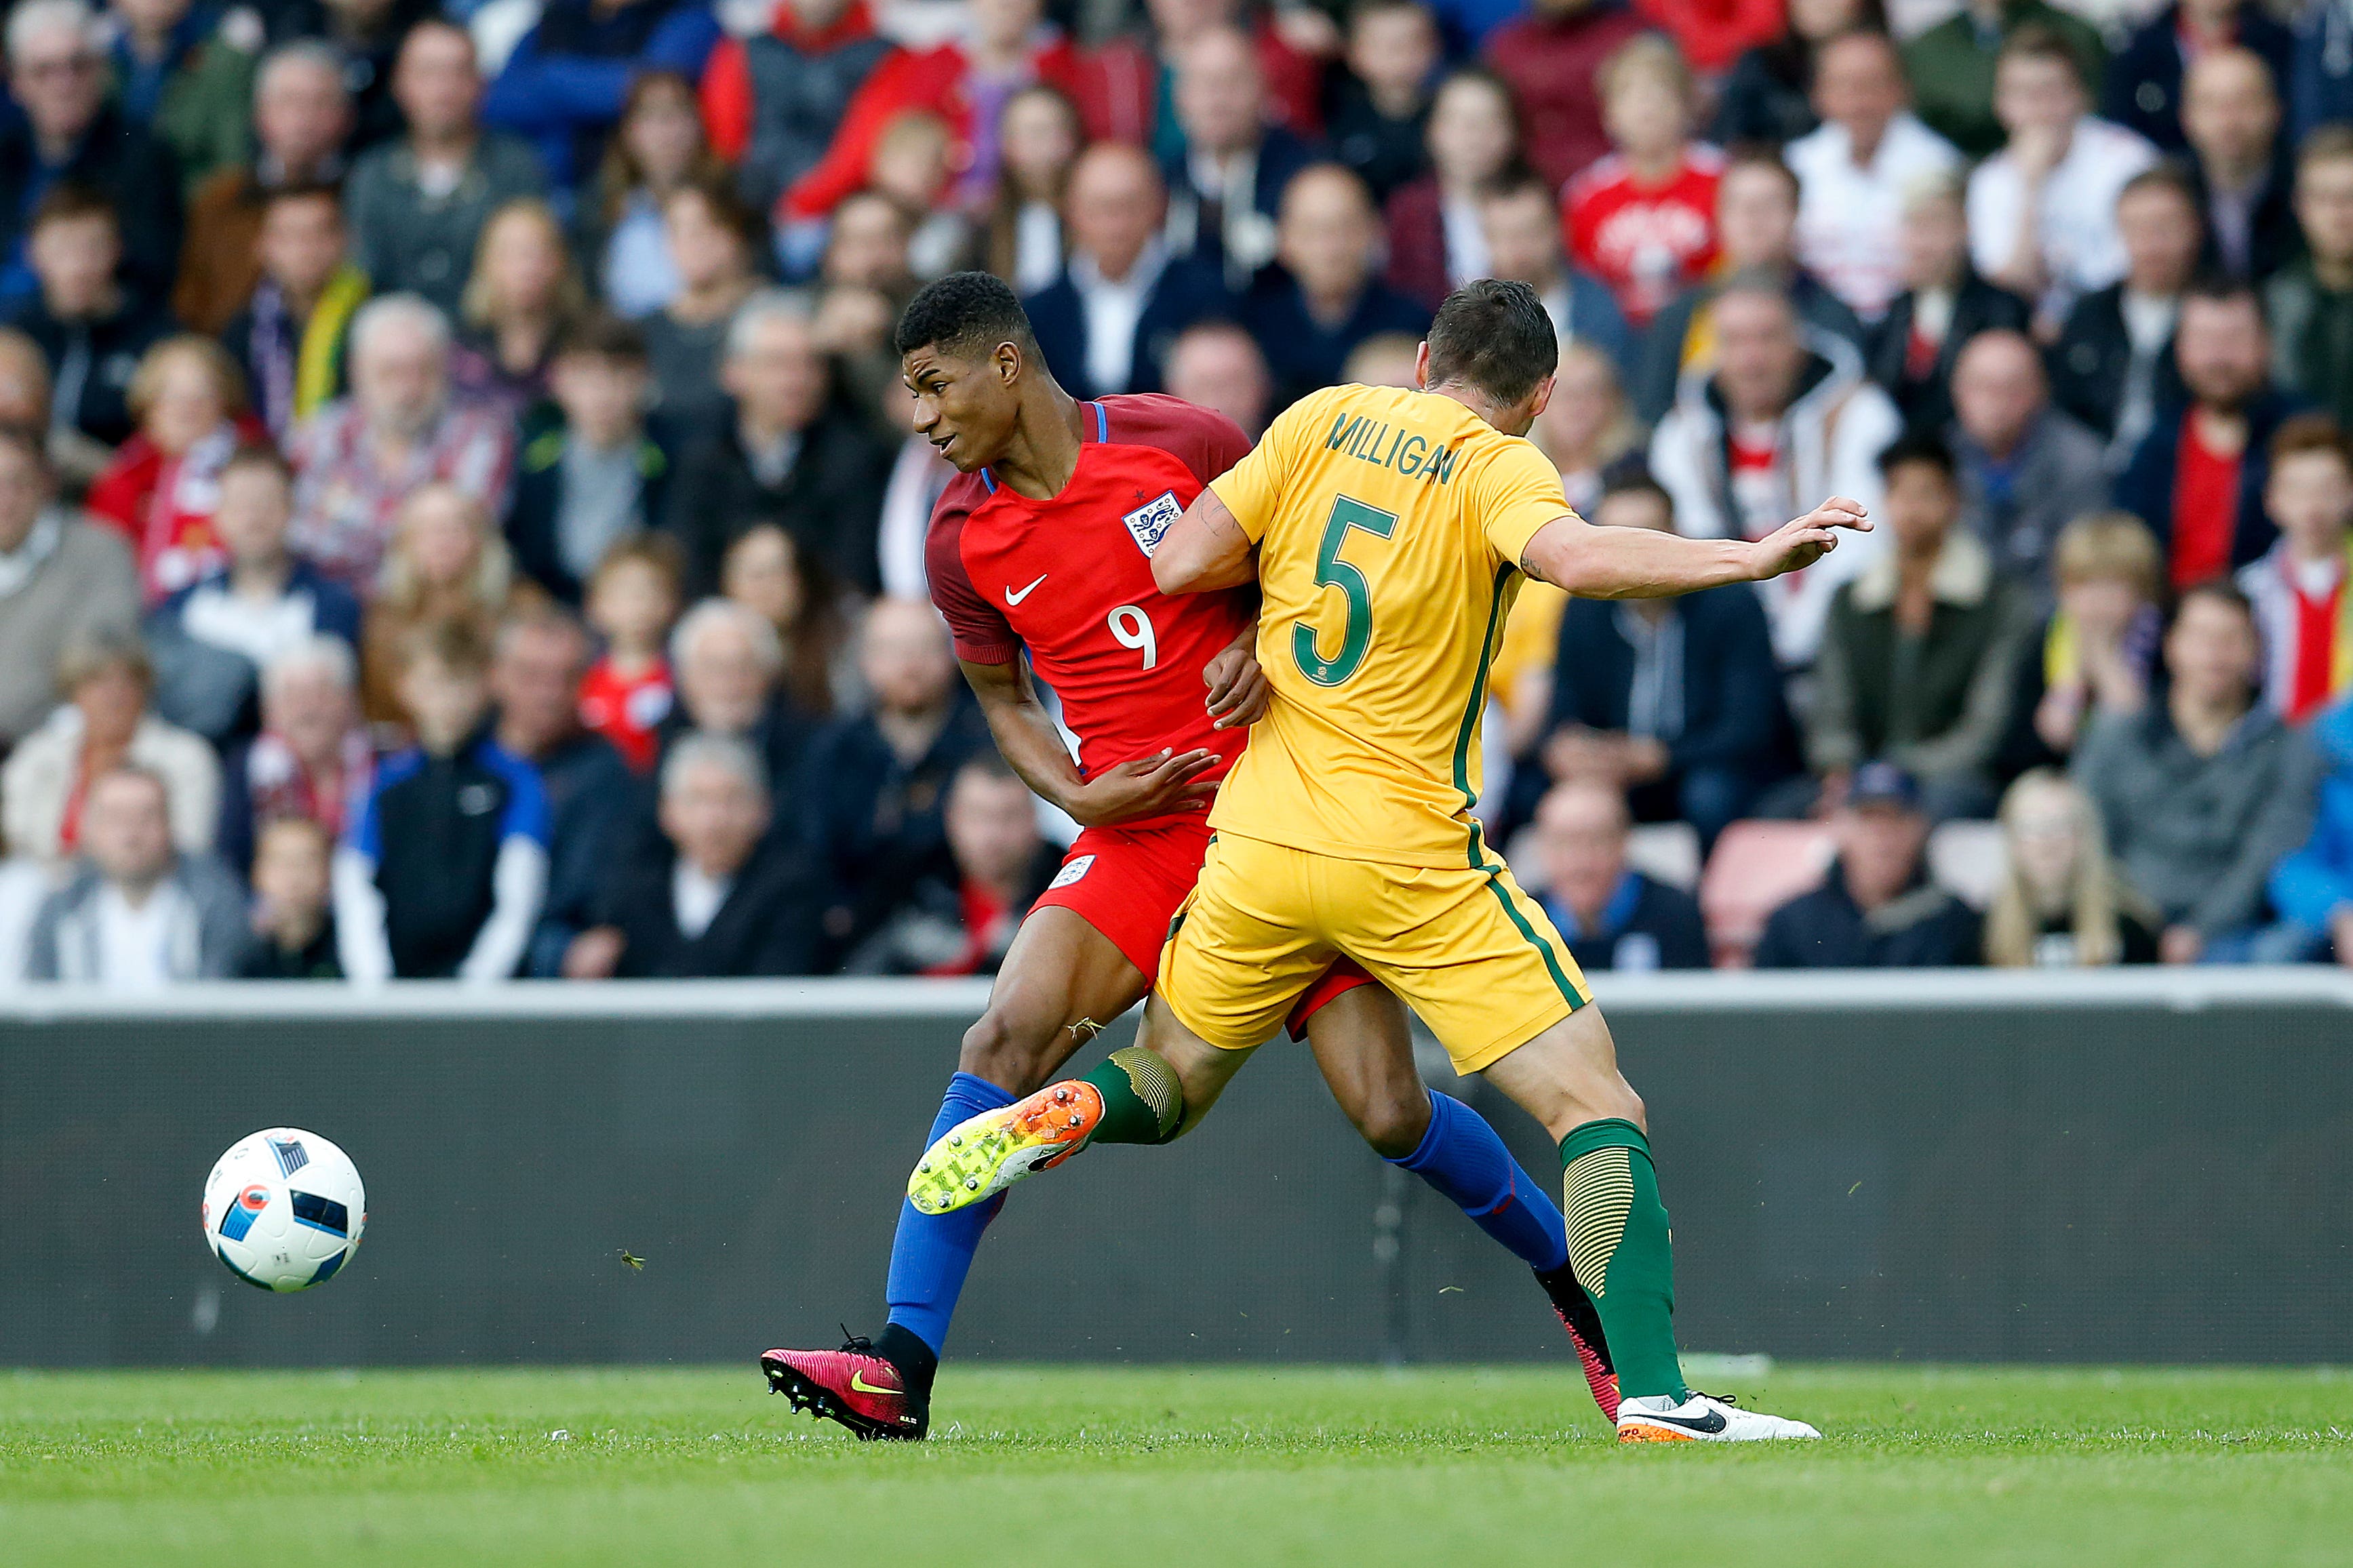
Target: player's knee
[1393,1124]
[1006,1052]
[1631,1107]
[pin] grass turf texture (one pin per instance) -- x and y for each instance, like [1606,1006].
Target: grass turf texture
[1228,1466]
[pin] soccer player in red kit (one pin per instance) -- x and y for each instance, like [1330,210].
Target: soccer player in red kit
[1042,546]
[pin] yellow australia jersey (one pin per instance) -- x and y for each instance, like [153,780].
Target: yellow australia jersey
[1389,526]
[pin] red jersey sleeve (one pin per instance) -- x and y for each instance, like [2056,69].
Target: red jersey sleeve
[983,634]
[1208,442]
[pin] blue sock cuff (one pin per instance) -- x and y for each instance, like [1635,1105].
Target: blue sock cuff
[1463,1158]
[967,1089]
[1431,1136]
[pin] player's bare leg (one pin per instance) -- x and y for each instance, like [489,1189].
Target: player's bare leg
[1061,983]
[1166,1084]
[1364,1047]
[1618,1241]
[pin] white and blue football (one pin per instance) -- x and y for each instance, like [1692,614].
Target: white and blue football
[284,1209]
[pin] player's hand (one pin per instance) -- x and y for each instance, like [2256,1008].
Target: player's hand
[1796,545]
[1150,786]
[1238,689]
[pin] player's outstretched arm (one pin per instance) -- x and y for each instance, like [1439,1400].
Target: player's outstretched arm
[1032,747]
[1204,548]
[1595,562]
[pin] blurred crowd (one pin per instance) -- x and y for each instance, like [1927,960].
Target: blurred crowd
[459,515]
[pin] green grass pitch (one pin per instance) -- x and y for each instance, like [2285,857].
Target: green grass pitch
[1438,1468]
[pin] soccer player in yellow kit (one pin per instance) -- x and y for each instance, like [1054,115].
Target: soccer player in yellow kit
[1389,531]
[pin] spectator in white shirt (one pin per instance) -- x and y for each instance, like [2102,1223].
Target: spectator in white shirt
[212,639]
[1780,417]
[1854,170]
[2043,211]
[139,915]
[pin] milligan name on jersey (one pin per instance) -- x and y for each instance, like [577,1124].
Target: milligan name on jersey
[1362,437]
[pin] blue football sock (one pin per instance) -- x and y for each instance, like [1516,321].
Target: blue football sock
[1462,1157]
[930,1254]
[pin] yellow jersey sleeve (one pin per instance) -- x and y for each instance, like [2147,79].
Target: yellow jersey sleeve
[1253,487]
[1514,493]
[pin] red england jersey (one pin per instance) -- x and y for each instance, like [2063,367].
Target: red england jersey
[627,709]
[2205,507]
[1649,242]
[1071,580]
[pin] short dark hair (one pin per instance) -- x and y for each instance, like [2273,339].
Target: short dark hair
[2166,177]
[2222,289]
[1364,9]
[963,314]
[69,201]
[728,210]
[305,191]
[1495,336]
[456,643]
[2307,433]
[2036,41]
[989,764]
[2224,591]
[1635,480]
[1761,157]
[1922,447]
[659,552]
[2325,145]
[601,335]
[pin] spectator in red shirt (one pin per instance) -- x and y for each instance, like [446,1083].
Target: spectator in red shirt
[2198,479]
[1715,33]
[1552,57]
[633,598]
[165,481]
[965,82]
[770,103]
[1643,218]
[2298,588]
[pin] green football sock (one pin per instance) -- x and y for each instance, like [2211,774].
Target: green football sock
[1142,1102]
[1618,1242]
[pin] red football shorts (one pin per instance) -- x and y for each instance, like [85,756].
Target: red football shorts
[1129,882]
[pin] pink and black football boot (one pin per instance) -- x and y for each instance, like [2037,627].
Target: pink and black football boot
[1574,1310]
[856,1385]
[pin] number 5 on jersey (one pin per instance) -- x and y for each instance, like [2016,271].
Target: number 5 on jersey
[1331,571]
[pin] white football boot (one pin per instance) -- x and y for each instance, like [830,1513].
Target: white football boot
[1701,1418]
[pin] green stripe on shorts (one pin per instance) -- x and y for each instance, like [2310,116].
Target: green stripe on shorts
[1535,938]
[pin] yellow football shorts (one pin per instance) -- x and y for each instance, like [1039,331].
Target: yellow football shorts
[1463,947]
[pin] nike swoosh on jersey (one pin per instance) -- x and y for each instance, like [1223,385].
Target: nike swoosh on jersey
[1013,598]
[858,1384]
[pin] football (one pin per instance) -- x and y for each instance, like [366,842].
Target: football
[284,1209]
